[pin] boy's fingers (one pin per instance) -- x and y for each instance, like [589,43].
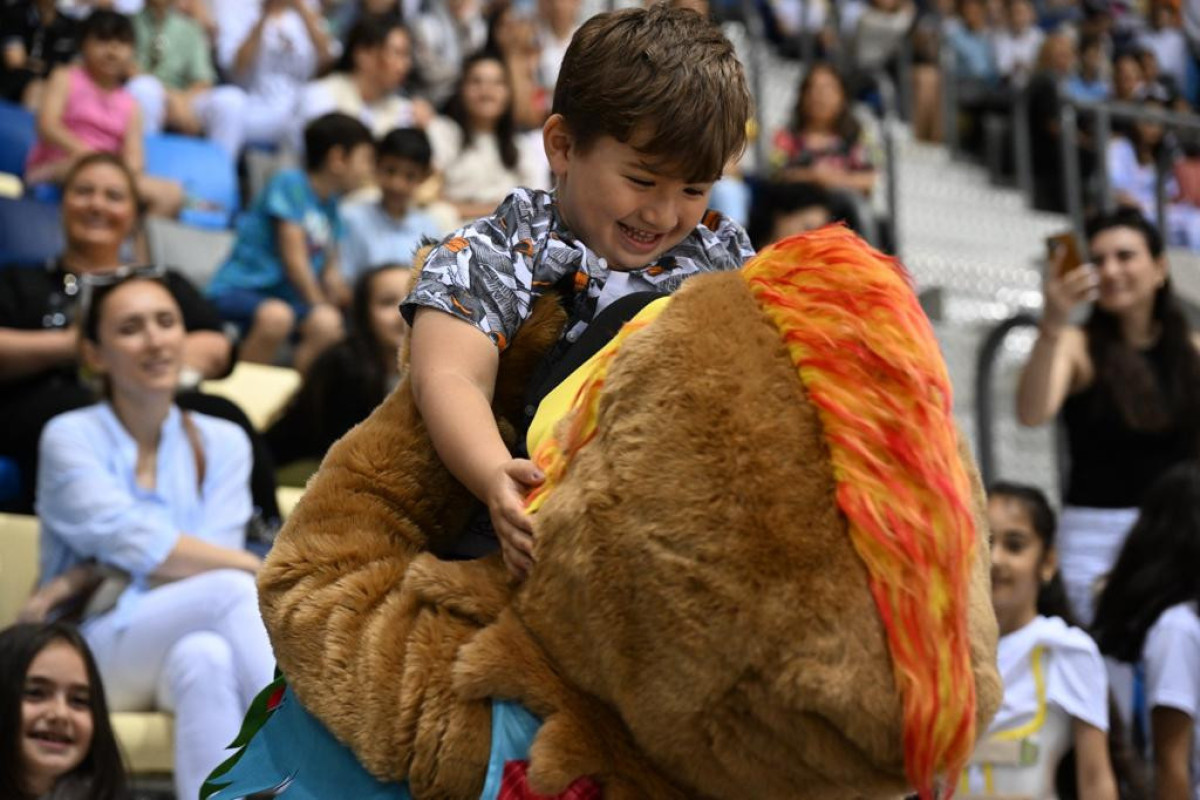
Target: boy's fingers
[516,517]
[520,541]
[515,567]
[525,472]
[516,561]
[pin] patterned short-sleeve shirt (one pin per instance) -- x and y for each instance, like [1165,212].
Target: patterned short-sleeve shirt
[490,272]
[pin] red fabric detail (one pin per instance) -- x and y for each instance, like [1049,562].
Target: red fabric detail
[515,786]
[276,698]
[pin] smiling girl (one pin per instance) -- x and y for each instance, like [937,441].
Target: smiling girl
[1055,684]
[349,379]
[1127,386]
[56,741]
[476,150]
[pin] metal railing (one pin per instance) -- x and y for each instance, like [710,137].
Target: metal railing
[1103,114]
[985,407]
[892,98]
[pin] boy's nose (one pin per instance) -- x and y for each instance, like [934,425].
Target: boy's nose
[660,216]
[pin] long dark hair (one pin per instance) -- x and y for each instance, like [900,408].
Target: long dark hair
[368,33]
[367,349]
[1052,596]
[343,385]
[506,127]
[1161,148]
[1125,372]
[847,127]
[101,774]
[1157,566]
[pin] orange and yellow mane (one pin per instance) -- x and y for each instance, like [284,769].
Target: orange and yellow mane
[868,359]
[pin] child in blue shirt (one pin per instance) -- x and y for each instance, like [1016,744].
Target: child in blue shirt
[389,231]
[650,106]
[282,277]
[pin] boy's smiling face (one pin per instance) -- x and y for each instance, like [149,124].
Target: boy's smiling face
[398,178]
[616,202]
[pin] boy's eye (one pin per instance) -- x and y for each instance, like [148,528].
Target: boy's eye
[640,181]
[692,191]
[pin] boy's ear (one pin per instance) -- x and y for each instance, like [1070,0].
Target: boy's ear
[557,139]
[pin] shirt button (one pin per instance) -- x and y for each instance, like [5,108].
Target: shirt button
[572,336]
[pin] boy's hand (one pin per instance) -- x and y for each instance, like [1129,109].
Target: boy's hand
[505,501]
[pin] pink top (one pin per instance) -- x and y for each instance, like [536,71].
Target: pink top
[98,117]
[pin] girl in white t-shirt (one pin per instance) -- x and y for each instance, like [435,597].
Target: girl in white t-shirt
[1147,617]
[476,150]
[1055,686]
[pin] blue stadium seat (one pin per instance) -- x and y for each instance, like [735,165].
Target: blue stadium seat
[29,231]
[18,130]
[10,480]
[208,175]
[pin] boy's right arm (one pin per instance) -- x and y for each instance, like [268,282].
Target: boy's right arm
[453,376]
[293,252]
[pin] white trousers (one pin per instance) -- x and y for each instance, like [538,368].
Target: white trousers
[220,111]
[1089,541]
[196,647]
[271,121]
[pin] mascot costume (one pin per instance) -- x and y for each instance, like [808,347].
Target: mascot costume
[760,569]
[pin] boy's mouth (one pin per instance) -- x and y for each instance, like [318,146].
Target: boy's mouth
[639,240]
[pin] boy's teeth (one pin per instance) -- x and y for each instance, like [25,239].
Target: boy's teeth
[634,233]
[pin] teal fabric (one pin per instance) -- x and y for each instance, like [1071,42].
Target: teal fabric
[293,756]
[513,729]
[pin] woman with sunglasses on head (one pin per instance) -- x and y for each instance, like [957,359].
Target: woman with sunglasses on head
[39,375]
[160,496]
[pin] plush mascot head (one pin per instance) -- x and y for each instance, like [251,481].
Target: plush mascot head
[760,569]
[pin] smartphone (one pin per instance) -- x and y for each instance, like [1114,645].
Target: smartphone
[1063,250]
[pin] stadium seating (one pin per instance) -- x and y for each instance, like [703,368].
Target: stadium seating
[207,173]
[29,231]
[10,480]
[194,252]
[18,131]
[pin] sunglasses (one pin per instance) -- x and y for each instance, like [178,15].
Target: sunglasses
[89,282]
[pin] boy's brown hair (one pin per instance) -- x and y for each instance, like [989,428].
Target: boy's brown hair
[663,79]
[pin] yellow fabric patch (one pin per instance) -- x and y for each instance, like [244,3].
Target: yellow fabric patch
[573,404]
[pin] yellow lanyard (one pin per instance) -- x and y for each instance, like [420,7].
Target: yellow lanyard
[1016,734]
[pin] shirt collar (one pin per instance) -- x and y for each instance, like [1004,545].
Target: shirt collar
[172,425]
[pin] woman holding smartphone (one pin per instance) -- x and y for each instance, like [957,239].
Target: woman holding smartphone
[1126,385]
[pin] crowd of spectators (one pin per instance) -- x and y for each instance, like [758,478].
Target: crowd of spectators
[397,120]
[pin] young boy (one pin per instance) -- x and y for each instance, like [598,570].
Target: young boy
[283,272]
[389,231]
[649,107]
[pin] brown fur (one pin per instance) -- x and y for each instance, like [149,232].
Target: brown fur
[697,623]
